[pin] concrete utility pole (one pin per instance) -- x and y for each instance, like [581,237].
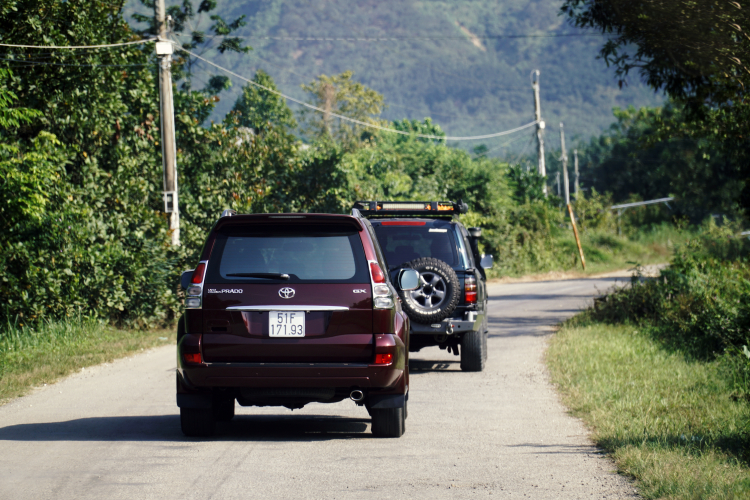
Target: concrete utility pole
[539,128]
[576,187]
[564,158]
[557,177]
[166,114]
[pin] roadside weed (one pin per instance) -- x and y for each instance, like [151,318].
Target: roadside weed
[33,355]
[674,423]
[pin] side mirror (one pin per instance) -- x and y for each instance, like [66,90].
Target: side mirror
[475,232]
[408,279]
[487,261]
[185,279]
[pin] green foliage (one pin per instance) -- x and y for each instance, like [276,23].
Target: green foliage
[341,95]
[649,154]
[697,52]
[694,49]
[259,109]
[28,178]
[527,185]
[9,116]
[593,212]
[699,304]
[193,27]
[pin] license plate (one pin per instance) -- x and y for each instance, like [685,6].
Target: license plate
[286,324]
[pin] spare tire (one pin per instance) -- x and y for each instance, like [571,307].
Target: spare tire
[438,293]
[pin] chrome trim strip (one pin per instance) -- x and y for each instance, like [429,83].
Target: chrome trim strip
[287,308]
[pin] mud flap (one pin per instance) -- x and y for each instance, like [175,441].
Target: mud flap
[194,400]
[377,401]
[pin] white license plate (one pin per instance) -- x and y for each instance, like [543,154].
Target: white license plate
[286,323]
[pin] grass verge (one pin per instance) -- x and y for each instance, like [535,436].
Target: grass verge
[673,423]
[33,356]
[604,252]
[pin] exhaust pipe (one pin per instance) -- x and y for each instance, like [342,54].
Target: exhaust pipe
[357,396]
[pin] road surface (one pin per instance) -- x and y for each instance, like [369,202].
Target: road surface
[113,431]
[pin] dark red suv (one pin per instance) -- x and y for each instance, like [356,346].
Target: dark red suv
[290,309]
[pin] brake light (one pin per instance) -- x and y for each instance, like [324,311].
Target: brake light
[403,223]
[383,359]
[376,273]
[470,290]
[193,358]
[198,274]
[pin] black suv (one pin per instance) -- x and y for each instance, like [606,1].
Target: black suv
[450,306]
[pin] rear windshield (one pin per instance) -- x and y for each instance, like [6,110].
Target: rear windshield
[305,253]
[405,243]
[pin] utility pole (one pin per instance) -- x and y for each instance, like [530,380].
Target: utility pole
[539,128]
[576,187]
[564,158]
[558,183]
[166,114]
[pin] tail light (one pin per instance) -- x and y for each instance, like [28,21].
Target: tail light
[194,291]
[193,358]
[198,274]
[470,290]
[383,359]
[376,273]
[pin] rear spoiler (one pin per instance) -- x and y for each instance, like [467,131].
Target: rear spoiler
[276,219]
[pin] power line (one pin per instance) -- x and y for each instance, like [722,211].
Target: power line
[358,122]
[74,47]
[40,63]
[396,39]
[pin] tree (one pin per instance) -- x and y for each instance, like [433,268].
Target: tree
[189,25]
[259,109]
[341,95]
[696,50]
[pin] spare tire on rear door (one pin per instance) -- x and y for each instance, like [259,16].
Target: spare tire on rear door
[438,293]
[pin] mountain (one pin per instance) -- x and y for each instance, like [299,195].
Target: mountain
[465,63]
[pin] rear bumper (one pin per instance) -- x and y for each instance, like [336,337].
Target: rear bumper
[471,321]
[209,375]
[203,378]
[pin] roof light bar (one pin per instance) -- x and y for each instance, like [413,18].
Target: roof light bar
[410,208]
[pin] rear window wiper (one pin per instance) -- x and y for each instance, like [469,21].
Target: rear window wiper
[268,276]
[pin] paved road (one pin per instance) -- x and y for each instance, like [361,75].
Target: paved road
[112,432]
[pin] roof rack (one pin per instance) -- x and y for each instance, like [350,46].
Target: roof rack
[430,209]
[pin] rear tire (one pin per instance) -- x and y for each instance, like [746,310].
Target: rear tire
[388,422]
[223,409]
[197,422]
[473,351]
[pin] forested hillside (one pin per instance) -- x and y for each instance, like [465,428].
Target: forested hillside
[459,62]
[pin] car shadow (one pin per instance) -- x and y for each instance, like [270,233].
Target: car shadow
[167,428]
[417,366]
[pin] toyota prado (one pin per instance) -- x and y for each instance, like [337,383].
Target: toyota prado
[290,309]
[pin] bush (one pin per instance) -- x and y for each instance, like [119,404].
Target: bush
[700,304]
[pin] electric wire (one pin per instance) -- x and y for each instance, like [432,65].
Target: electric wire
[75,47]
[358,122]
[43,63]
[394,39]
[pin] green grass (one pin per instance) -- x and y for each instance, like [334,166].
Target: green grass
[674,424]
[604,251]
[34,356]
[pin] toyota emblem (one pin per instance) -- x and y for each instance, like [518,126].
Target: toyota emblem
[286,293]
